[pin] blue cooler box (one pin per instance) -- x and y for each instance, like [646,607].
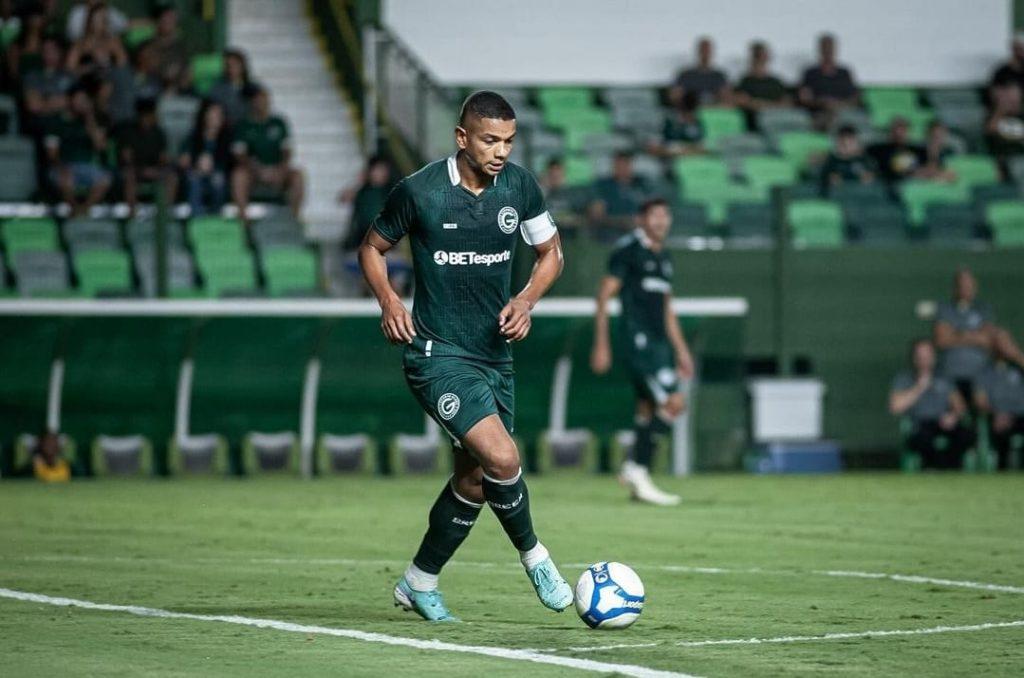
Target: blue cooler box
[819,456]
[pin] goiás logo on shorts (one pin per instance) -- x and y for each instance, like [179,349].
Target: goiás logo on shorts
[442,258]
[508,219]
[448,406]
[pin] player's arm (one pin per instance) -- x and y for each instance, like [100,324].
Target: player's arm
[514,319]
[601,354]
[684,360]
[384,233]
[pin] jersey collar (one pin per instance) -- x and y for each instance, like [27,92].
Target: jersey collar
[642,237]
[453,171]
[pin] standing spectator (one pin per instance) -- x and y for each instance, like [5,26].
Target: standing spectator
[172,55]
[368,200]
[935,409]
[78,19]
[709,83]
[263,156]
[141,81]
[1011,72]
[74,143]
[682,133]
[45,92]
[205,158]
[142,154]
[99,49]
[1004,128]
[230,89]
[760,88]
[25,54]
[48,463]
[847,163]
[999,394]
[897,158]
[617,199]
[828,87]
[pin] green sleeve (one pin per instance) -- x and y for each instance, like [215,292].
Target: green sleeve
[398,215]
[618,263]
[533,197]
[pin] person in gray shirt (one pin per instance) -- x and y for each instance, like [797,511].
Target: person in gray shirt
[710,84]
[935,409]
[967,336]
[999,393]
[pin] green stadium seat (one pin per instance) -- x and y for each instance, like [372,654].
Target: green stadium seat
[573,98]
[1006,220]
[24,234]
[122,456]
[951,224]
[103,272]
[181,272]
[227,273]
[632,97]
[142,232]
[276,231]
[777,121]
[41,274]
[876,223]
[719,123]
[216,234]
[750,221]
[545,143]
[83,234]
[856,118]
[917,195]
[528,116]
[966,119]
[689,220]
[954,96]
[815,223]
[974,170]
[641,122]
[856,192]
[582,124]
[764,172]
[138,34]
[700,170]
[290,271]
[17,169]
[579,170]
[596,143]
[890,98]
[9,32]
[988,193]
[206,68]
[917,120]
[802,148]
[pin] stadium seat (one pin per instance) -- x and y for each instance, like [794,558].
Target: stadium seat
[206,68]
[643,123]
[645,165]
[742,145]
[198,455]
[591,142]
[545,143]
[568,450]
[17,169]
[856,192]
[41,274]
[876,223]
[719,123]
[138,34]
[142,232]
[227,273]
[1006,220]
[688,220]
[775,122]
[632,97]
[123,456]
[952,96]
[290,271]
[974,170]
[89,234]
[345,454]
[419,453]
[764,172]
[277,230]
[802,148]
[750,221]
[181,272]
[216,234]
[954,225]
[270,452]
[890,99]
[693,171]
[103,273]
[581,125]
[966,120]
[579,170]
[528,117]
[565,98]
[855,118]
[983,195]
[815,223]
[35,234]
[917,195]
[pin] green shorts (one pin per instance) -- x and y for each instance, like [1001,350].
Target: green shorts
[652,368]
[458,392]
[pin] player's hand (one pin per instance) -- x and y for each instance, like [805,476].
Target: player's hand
[601,358]
[948,421]
[396,323]
[684,365]
[514,320]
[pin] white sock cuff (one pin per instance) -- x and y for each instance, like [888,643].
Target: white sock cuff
[420,580]
[451,483]
[511,481]
[534,557]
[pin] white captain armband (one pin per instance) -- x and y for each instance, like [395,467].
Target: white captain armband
[538,230]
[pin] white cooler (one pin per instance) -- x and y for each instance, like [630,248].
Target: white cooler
[786,409]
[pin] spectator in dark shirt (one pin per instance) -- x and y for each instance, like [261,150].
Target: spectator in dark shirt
[141,81]
[935,409]
[98,50]
[617,199]
[143,157]
[1004,128]
[999,394]
[897,158]
[230,90]
[936,152]
[74,144]
[760,88]
[1011,72]
[709,83]
[566,203]
[171,53]
[828,87]
[205,158]
[45,92]
[847,162]
[682,133]
[25,54]
[368,200]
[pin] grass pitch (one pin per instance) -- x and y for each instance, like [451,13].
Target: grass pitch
[743,558]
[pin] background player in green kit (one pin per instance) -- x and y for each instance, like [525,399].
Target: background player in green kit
[462,216]
[650,340]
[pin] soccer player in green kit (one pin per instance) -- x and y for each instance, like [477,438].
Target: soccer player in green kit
[655,352]
[462,215]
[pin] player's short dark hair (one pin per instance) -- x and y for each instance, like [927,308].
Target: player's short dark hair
[651,203]
[917,342]
[486,104]
[847,131]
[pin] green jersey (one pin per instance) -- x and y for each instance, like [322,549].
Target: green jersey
[646,278]
[264,140]
[462,248]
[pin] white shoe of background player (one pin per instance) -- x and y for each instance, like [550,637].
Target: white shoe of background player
[638,480]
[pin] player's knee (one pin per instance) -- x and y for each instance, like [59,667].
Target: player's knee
[469,485]
[503,462]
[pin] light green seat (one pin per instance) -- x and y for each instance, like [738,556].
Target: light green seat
[25,234]
[815,223]
[700,170]
[764,172]
[290,270]
[216,233]
[227,273]
[1006,219]
[206,68]
[551,98]
[918,194]
[719,123]
[802,147]
[579,170]
[136,35]
[587,125]
[890,98]
[974,170]
[103,272]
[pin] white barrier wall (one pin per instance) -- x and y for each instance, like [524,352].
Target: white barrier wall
[923,42]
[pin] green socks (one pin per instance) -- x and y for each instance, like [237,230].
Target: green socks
[451,519]
[510,501]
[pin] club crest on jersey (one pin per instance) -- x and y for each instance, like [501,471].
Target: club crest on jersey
[448,406]
[508,219]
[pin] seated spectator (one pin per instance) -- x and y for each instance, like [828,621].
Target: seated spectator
[141,81]
[760,88]
[564,202]
[74,143]
[263,152]
[935,409]
[617,199]
[45,91]
[78,19]
[847,163]
[25,54]
[230,90]
[48,463]
[710,84]
[897,158]
[1004,128]
[936,152]
[1011,72]
[205,159]
[828,87]
[142,155]
[172,55]
[99,49]
[367,202]
[968,338]
[682,133]
[999,395]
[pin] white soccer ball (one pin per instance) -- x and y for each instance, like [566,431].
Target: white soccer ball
[609,596]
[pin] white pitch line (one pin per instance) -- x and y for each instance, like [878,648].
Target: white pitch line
[799,639]
[366,636]
[916,579]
